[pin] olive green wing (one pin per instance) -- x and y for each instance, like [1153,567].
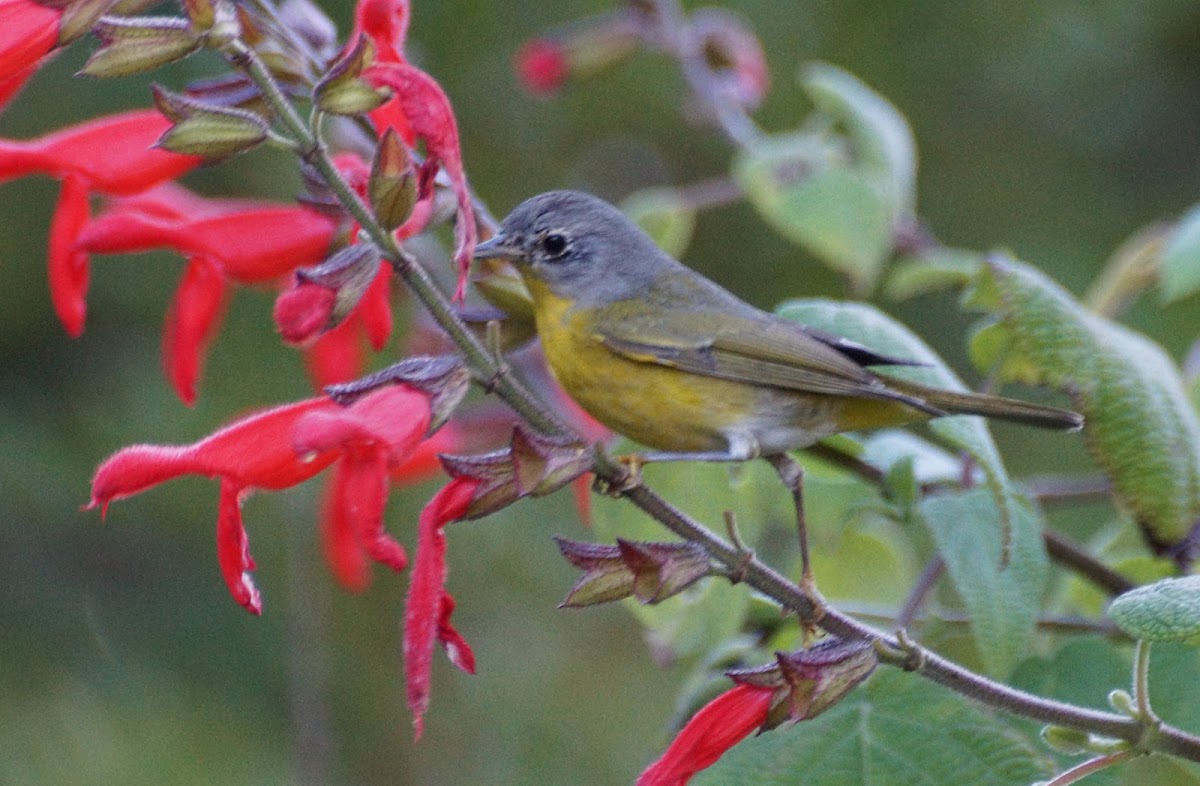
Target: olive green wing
[756,350]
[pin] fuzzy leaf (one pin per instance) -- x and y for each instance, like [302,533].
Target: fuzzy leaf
[1140,426]
[1008,520]
[876,736]
[1179,264]
[933,271]
[838,212]
[665,217]
[882,140]
[1167,610]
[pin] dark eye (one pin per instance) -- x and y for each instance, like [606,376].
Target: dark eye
[554,244]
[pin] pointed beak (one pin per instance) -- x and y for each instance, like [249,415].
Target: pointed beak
[499,247]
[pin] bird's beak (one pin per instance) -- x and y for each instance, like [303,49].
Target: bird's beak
[499,247]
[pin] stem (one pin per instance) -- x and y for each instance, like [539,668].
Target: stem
[477,356]
[1141,681]
[920,591]
[678,39]
[805,602]
[1084,769]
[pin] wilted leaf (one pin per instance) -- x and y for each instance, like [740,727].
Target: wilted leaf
[1140,425]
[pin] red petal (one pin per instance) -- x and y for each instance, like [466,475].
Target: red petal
[28,31]
[542,66]
[68,264]
[423,611]
[582,489]
[303,311]
[385,22]
[254,243]
[364,492]
[337,355]
[376,308]
[428,111]
[253,452]
[11,84]
[718,726]
[343,553]
[393,418]
[233,550]
[423,463]
[191,323]
[115,154]
[454,645]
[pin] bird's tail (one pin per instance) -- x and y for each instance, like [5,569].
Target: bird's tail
[955,403]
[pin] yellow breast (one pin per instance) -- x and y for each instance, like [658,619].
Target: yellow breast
[660,407]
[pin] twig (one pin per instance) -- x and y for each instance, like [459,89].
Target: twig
[920,591]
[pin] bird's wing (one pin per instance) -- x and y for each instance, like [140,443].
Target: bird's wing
[757,350]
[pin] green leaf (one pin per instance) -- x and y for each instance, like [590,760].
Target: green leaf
[882,140]
[872,563]
[1008,520]
[1167,610]
[896,729]
[1179,263]
[664,215]
[1141,428]
[932,271]
[839,213]
[930,463]
[969,535]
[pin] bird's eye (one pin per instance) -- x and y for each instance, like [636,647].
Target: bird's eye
[554,244]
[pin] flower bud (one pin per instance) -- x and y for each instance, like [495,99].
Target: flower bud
[392,187]
[206,130]
[343,91]
[810,681]
[133,46]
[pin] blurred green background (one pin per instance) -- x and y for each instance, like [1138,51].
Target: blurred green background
[1053,128]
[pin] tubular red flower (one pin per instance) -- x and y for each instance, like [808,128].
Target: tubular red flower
[337,355]
[302,312]
[68,266]
[541,66]
[378,432]
[718,726]
[28,33]
[282,447]
[225,240]
[191,322]
[114,154]
[385,22]
[428,111]
[252,242]
[253,452]
[426,615]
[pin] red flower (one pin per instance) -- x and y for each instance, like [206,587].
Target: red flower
[427,613]
[111,155]
[224,240]
[282,447]
[428,111]
[718,726]
[542,66]
[28,33]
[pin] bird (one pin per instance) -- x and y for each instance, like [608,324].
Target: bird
[668,358]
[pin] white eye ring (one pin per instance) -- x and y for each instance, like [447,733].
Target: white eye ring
[555,244]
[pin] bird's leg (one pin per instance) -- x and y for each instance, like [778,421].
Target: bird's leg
[792,475]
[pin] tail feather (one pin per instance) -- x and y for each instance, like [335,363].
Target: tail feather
[956,403]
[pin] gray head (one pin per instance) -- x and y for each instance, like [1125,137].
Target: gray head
[582,247]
